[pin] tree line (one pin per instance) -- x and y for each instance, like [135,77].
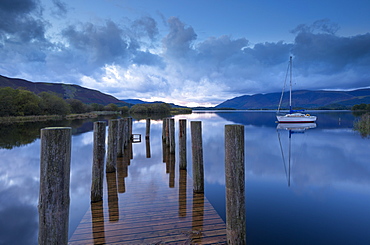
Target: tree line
[361,107]
[21,102]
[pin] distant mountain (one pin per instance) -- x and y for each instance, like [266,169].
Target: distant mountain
[137,101]
[67,91]
[301,99]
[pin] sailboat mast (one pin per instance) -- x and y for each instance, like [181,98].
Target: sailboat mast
[290,90]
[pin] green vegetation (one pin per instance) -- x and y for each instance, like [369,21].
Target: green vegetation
[363,125]
[151,108]
[158,108]
[361,107]
[22,105]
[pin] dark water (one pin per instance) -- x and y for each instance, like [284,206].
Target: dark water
[302,187]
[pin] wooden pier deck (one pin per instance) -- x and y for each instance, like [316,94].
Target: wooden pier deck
[154,205]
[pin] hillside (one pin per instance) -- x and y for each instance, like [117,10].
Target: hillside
[137,101]
[301,99]
[67,91]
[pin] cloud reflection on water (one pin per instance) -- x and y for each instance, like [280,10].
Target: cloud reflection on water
[333,157]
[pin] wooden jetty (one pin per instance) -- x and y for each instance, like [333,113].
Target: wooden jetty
[143,208]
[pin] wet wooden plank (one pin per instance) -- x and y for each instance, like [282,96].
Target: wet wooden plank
[151,214]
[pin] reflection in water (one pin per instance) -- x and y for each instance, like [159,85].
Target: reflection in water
[182,192]
[122,169]
[293,128]
[147,147]
[197,217]
[331,179]
[98,222]
[112,197]
[171,168]
[121,174]
[24,133]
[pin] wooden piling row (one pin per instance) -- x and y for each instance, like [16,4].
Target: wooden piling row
[55,172]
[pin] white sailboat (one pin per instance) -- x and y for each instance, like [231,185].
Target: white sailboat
[293,116]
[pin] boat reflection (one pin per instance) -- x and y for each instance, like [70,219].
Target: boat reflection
[296,127]
[293,128]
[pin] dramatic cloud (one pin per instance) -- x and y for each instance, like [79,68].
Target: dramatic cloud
[60,9]
[137,59]
[19,21]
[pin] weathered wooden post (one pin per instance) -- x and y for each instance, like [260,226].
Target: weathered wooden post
[182,144]
[164,146]
[112,146]
[98,162]
[130,137]
[120,139]
[167,132]
[172,135]
[235,184]
[197,156]
[147,128]
[126,132]
[130,127]
[55,164]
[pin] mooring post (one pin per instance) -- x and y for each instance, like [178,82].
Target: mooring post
[147,128]
[112,146]
[164,122]
[172,135]
[98,162]
[235,184]
[120,138]
[126,136]
[130,127]
[167,132]
[130,137]
[197,156]
[55,164]
[182,143]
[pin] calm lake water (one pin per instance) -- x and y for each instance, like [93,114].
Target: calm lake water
[302,186]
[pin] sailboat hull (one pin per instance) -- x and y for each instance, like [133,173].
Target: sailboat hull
[296,118]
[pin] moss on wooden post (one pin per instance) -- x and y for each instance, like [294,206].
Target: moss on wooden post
[55,164]
[112,146]
[98,162]
[235,184]
[197,156]
[182,144]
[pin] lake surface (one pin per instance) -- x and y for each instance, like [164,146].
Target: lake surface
[302,186]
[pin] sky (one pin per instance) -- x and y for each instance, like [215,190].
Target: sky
[187,52]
